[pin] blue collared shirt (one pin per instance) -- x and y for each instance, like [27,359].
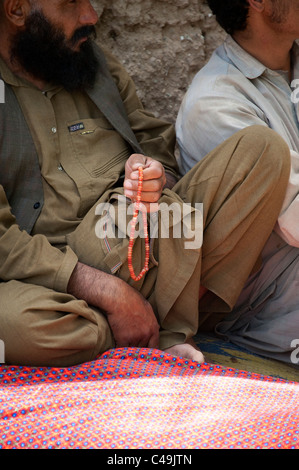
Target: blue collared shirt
[232,91]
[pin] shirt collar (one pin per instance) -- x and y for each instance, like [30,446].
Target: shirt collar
[248,65]
[8,76]
[14,80]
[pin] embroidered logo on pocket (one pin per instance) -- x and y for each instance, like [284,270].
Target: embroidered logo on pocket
[76,127]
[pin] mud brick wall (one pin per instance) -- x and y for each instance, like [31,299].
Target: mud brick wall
[162,44]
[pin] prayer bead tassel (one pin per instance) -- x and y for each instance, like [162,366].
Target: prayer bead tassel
[132,235]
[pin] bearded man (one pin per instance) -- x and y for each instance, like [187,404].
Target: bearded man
[73,135]
[251,79]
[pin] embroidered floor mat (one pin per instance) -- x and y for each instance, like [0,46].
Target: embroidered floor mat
[227,354]
[144,399]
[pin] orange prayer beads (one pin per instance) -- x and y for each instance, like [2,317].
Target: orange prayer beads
[133,227]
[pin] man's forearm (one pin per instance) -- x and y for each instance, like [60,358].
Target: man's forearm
[130,316]
[96,287]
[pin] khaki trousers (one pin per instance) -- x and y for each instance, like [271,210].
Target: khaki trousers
[241,185]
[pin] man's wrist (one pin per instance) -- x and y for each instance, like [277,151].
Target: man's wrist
[171,180]
[96,287]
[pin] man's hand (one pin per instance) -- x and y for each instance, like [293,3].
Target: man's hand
[130,316]
[132,319]
[154,180]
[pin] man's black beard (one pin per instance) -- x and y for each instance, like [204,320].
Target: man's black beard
[42,52]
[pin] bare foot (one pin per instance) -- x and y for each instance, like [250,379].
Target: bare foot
[186,351]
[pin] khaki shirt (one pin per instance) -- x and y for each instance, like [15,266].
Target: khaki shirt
[81,156]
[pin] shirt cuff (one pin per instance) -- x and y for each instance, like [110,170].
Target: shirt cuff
[65,271]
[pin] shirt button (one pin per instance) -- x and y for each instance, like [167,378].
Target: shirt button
[60,168]
[54,130]
[36,205]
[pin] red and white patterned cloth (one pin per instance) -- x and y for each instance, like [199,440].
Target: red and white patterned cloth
[144,399]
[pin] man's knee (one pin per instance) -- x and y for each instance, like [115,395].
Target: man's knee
[266,144]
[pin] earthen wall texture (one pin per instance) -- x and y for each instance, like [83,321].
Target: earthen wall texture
[162,44]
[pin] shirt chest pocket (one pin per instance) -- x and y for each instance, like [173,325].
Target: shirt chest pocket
[98,148]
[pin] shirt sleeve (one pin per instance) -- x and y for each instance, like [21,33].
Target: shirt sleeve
[155,136]
[287,225]
[213,119]
[206,122]
[31,259]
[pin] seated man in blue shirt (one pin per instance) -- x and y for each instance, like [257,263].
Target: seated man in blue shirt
[251,79]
